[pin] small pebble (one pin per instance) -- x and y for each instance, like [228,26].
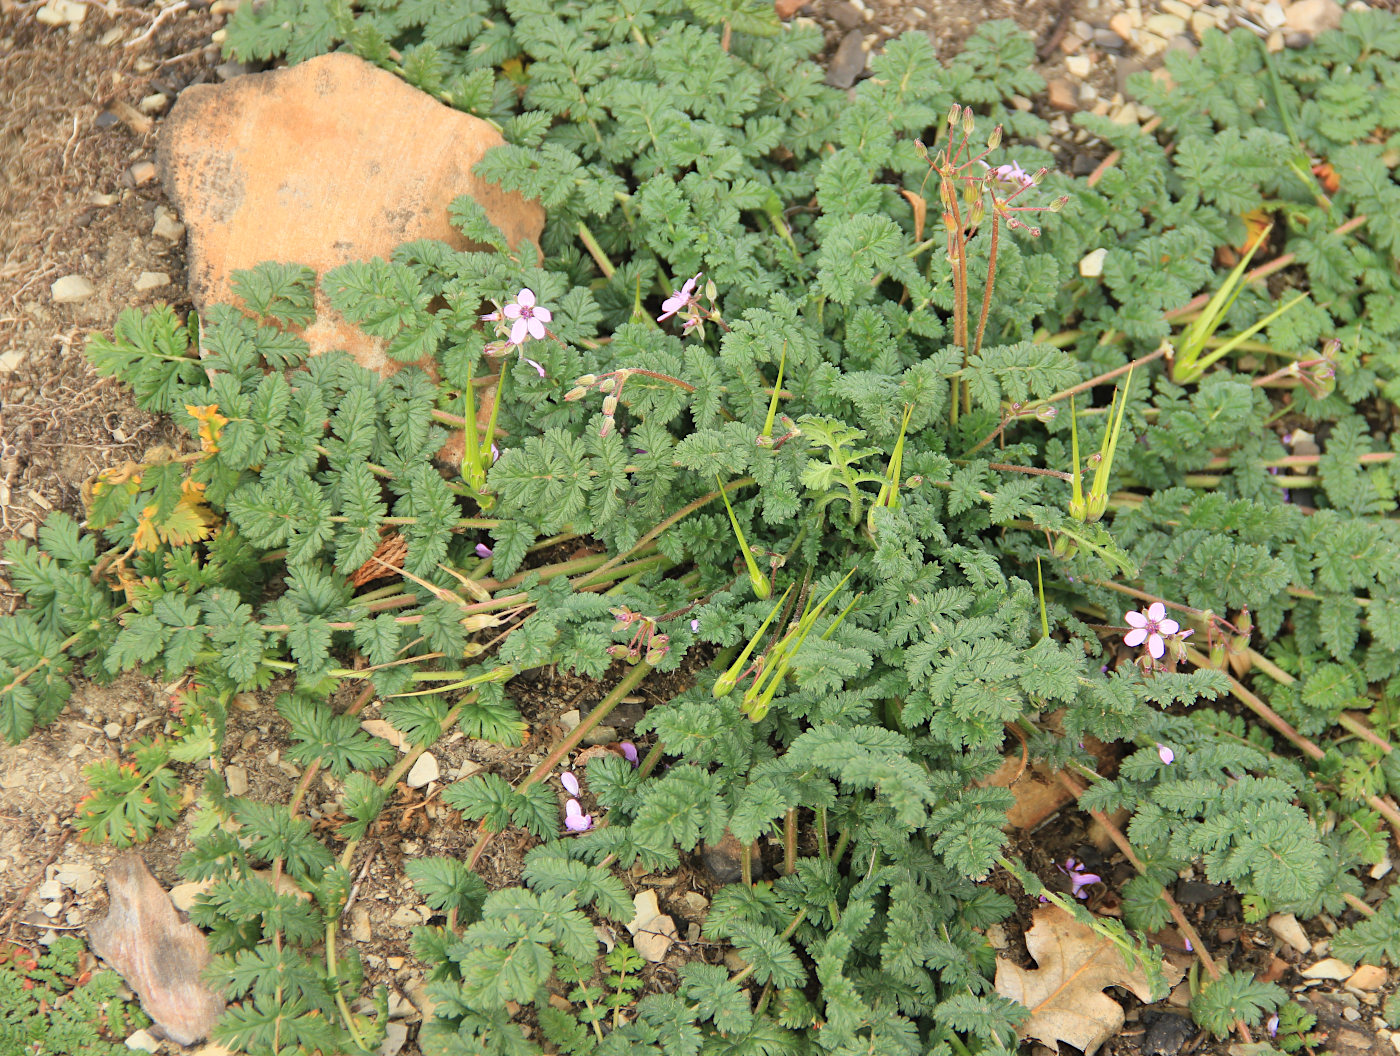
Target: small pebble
[144,1041]
[153,103]
[425,770]
[1165,26]
[1330,968]
[237,780]
[151,280]
[60,13]
[113,730]
[1092,265]
[142,172]
[71,289]
[1062,94]
[846,14]
[570,720]
[849,61]
[1079,66]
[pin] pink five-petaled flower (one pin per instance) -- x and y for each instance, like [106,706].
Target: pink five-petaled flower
[1013,173]
[575,820]
[1165,754]
[1151,627]
[682,298]
[570,782]
[1078,880]
[527,320]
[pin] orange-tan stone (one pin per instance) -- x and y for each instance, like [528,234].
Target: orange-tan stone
[322,163]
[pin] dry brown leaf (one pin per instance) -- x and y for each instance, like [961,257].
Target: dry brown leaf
[1065,994]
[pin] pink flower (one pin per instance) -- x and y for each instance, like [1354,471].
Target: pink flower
[681,299]
[629,752]
[570,782]
[1272,1025]
[482,550]
[530,361]
[695,625]
[528,320]
[575,820]
[1165,754]
[1078,880]
[1150,627]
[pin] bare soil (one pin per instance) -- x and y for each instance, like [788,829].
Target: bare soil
[79,198]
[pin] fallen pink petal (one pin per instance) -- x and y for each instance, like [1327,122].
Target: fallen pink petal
[575,820]
[570,782]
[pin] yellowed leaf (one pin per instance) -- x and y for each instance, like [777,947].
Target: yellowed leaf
[1065,993]
[211,424]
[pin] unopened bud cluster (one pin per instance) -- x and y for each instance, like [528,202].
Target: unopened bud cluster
[646,642]
[610,385]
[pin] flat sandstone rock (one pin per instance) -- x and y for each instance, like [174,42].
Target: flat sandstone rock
[322,163]
[160,956]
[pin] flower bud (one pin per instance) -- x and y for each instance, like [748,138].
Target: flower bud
[607,385]
[1064,547]
[763,441]
[953,115]
[577,393]
[920,149]
[1059,203]
[994,140]
[1217,655]
[711,290]
[1244,622]
[979,211]
[609,405]
[1078,509]
[657,648]
[914,481]
[587,381]
[618,652]
[968,121]
[1039,176]
[1047,412]
[1097,504]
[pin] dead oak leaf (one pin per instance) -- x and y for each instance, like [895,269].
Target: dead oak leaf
[1065,994]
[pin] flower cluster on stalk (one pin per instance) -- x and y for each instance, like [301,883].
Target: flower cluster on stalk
[517,322]
[646,640]
[1158,633]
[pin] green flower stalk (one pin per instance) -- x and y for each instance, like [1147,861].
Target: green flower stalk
[759,696]
[1189,358]
[761,588]
[1098,493]
[889,490]
[765,438]
[1092,508]
[726,682]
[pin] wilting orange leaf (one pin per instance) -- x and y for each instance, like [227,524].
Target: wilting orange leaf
[211,424]
[1256,222]
[1327,176]
[920,212]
